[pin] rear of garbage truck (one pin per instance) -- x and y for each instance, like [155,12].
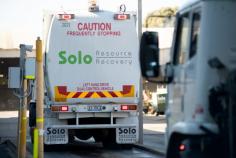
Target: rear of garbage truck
[91,78]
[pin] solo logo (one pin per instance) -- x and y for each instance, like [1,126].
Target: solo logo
[127,131]
[74,59]
[55,131]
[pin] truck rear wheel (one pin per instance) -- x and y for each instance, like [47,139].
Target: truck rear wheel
[83,134]
[109,139]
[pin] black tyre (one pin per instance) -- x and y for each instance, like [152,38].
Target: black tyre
[109,139]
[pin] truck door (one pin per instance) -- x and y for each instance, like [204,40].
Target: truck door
[190,67]
[175,111]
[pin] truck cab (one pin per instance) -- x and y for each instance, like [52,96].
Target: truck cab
[201,105]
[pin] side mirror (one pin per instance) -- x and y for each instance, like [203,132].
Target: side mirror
[149,54]
[149,60]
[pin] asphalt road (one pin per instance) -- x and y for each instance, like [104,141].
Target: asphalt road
[153,137]
[95,150]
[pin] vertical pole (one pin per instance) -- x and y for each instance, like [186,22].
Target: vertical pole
[18,131]
[36,141]
[141,81]
[39,97]
[22,118]
[23,125]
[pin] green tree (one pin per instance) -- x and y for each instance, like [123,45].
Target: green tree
[163,17]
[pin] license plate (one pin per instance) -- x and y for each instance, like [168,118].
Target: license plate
[56,136]
[126,135]
[95,108]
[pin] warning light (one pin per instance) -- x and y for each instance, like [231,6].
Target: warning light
[66,16]
[64,108]
[93,6]
[182,147]
[121,16]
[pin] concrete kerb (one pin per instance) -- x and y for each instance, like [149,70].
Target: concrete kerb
[146,148]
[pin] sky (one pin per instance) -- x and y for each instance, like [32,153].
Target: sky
[22,19]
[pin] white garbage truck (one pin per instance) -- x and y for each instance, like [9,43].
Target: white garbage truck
[201,78]
[92,78]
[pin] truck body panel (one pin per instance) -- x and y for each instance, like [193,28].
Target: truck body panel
[93,58]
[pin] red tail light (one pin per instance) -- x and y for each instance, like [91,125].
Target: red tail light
[64,108]
[124,107]
[128,107]
[182,147]
[60,108]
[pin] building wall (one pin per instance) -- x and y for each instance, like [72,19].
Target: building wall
[7,100]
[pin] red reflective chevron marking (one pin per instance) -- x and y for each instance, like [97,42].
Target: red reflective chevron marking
[101,94]
[77,94]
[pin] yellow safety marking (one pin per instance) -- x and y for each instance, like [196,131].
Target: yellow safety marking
[71,94]
[95,95]
[36,139]
[29,77]
[24,118]
[118,93]
[59,97]
[107,94]
[83,95]
[131,93]
[62,97]
[39,52]
[39,120]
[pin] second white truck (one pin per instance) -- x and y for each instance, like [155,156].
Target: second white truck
[201,78]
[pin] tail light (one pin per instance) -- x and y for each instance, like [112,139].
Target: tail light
[55,108]
[182,147]
[128,107]
[63,108]
[124,107]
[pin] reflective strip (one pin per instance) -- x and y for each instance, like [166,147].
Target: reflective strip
[95,95]
[39,120]
[71,94]
[107,94]
[83,95]
[118,94]
[30,77]
[61,93]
